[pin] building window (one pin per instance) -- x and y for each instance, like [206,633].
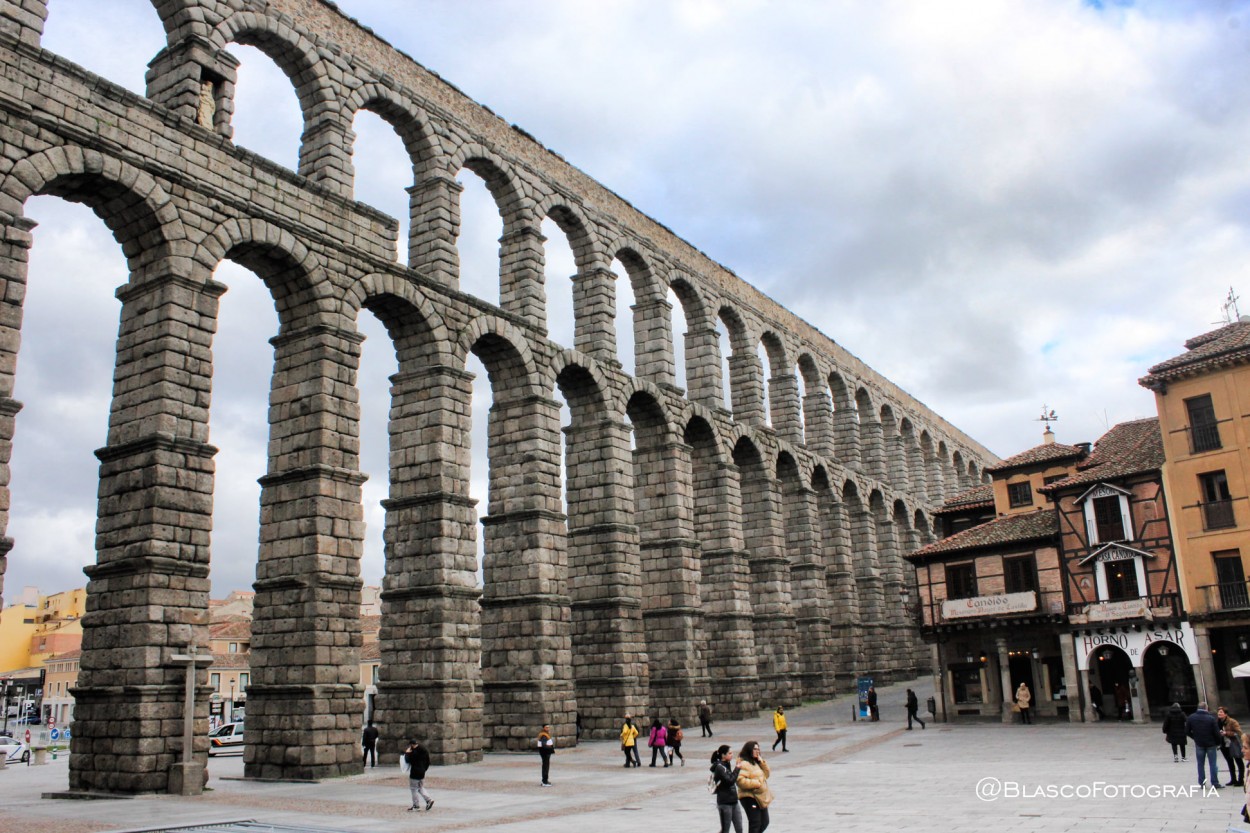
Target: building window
[1020,494]
[1108,519]
[966,681]
[1230,580]
[214,680]
[1020,574]
[1122,580]
[1217,503]
[244,679]
[234,648]
[961,581]
[1054,478]
[1204,431]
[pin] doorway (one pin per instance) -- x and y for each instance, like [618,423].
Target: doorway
[1109,668]
[1169,679]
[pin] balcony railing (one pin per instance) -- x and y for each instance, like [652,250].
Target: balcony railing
[1159,606]
[1218,514]
[1233,595]
[1204,437]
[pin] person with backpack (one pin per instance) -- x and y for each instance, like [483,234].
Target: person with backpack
[724,782]
[675,735]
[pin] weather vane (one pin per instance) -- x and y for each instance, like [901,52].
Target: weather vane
[1048,416]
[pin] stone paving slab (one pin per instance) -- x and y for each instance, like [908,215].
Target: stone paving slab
[839,775]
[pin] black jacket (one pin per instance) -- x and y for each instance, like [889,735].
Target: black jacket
[726,783]
[418,762]
[369,737]
[912,703]
[1174,725]
[1203,728]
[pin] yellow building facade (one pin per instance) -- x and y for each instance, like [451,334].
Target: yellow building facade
[1203,399]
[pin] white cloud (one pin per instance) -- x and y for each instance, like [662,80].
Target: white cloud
[994,205]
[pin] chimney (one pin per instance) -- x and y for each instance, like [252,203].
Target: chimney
[1048,436]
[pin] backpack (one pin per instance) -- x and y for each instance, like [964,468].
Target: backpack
[677,736]
[711,783]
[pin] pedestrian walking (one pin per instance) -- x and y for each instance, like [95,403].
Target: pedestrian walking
[705,719]
[546,748]
[417,759]
[629,742]
[913,710]
[675,737]
[369,744]
[1230,745]
[753,792]
[1174,732]
[1205,730]
[1123,702]
[657,739]
[779,726]
[1095,701]
[1024,699]
[873,714]
[725,782]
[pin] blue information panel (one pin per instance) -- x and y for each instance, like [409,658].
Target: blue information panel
[55,734]
[863,684]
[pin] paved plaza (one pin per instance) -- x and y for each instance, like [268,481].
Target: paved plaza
[839,775]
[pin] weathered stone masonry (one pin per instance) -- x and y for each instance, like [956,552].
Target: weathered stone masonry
[766,558]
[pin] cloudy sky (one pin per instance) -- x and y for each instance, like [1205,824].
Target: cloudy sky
[995,205]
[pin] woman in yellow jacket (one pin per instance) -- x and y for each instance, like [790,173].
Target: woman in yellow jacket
[629,738]
[779,725]
[753,792]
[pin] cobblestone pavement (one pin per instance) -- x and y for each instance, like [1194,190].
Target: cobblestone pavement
[839,775]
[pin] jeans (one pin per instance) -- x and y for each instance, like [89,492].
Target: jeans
[757,816]
[913,715]
[1181,746]
[730,813]
[781,738]
[371,755]
[416,786]
[1204,754]
[546,765]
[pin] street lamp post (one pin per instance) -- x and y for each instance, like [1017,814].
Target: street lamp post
[230,716]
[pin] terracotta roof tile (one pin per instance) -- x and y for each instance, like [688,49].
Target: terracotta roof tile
[1128,448]
[231,630]
[231,662]
[1010,529]
[976,496]
[1229,344]
[1044,453]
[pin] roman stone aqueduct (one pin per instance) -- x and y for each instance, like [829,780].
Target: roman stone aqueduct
[771,553]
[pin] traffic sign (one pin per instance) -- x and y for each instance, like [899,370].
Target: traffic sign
[51,722]
[65,733]
[55,734]
[28,736]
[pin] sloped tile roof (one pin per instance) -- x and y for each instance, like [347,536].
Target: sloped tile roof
[241,629]
[1128,448]
[1010,529]
[1228,345]
[974,497]
[231,662]
[1044,453]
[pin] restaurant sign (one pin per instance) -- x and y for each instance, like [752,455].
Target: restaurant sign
[989,605]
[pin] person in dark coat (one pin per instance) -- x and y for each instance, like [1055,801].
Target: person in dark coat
[705,719]
[369,743]
[1174,731]
[913,710]
[546,748]
[1205,730]
[1095,700]
[725,779]
[418,761]
[873,714]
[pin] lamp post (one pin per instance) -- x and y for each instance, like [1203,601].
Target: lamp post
[231,714]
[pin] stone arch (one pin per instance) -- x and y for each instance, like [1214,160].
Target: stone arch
[783,390]
[873,634]
[592,320]
[525,565]
[895,464]
[650,317]
[324,155]
[818,431]
[773,615]
[912,462]
[134,207]
[932,461]
[605,571]
[839,577]
[663,482]
[845,422]
[725,573]
[703,369]
[871,440]
[890,560]
[806,577]
[430,624]
[293,274]
[961,470]
[745,372]
[521,255]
